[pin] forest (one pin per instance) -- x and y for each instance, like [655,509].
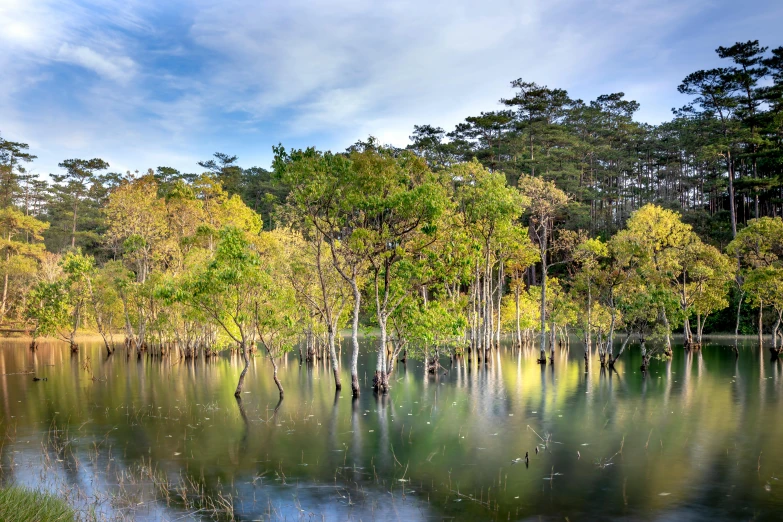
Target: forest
[547,219]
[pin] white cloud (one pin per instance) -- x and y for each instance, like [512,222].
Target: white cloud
[182,80]
[346,68]
[118,68]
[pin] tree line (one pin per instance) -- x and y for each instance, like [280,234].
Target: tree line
[550,218]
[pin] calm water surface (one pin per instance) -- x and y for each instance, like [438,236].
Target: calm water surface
[697,438]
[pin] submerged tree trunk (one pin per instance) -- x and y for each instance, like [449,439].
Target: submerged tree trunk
[76,321]
[380,382]
[542,358]
[668,348]
[333,355]
[501,275]
[739,309]
[357,297]
[519,326]
[612,360]
[645,357]
[274,376]
[246,359]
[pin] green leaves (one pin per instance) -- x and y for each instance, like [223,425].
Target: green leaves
[759,246]
[48,307]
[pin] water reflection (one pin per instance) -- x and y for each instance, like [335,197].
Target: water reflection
[694,437]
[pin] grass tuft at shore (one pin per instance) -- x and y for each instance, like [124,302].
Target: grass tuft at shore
[18,504]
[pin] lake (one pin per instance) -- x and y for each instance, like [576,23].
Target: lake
[696,438]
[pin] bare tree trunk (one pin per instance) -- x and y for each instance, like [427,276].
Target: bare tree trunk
[274,376]
[542,358]
[5,292]
[668,349]
[612,360]
[516,303]
[588,332]
[246,359]
[333,355]
[380,381]
[739,310]
[73,229]
[487,338]
[500,296]
[357,297]
[733,213]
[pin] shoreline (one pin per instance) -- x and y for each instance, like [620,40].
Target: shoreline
[346,334]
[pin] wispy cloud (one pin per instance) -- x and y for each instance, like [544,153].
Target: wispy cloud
[117,68]
[140,81]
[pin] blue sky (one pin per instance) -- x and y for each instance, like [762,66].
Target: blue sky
[143,84]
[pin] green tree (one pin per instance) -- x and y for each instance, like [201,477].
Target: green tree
[47,309]
[759,247]
[400,200]
[20,247]
[546,203]
[226,291]
[77,270]
[651,246]
[12,157]
[486,209]
[73,188]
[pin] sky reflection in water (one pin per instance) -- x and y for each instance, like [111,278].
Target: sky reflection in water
[697,438]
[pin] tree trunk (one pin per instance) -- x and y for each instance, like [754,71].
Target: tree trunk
[733,213]
[72,337]
[357,297]
[668,349]
[500,296]
[542,358]
[612,360]
[645,357]
[739,310]
[73,229]
[5,292]
[516,303]
[380,382]
[246,359]
[274,376]
[333,355]
[588,333]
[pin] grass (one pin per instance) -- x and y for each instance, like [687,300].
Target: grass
[20,504]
